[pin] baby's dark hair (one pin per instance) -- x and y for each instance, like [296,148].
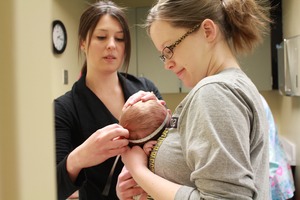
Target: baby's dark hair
[143,118]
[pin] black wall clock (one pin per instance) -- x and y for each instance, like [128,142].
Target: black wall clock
[59,37]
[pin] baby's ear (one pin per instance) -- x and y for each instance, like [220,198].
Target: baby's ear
[170,112]
[125,125]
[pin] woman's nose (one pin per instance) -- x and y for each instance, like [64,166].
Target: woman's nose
[111,43]
[168,65]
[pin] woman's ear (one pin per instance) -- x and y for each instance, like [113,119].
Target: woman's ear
[83,46]
[210,29]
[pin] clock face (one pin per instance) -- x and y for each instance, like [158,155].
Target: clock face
[59,37]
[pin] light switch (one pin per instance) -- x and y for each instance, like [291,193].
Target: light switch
[65,77]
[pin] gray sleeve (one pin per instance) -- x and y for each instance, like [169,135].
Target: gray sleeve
[215,129]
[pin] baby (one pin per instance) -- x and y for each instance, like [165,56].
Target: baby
[145,121]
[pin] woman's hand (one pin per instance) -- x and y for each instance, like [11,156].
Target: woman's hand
[126,186]
[141,96]
[101,145]
[135,161]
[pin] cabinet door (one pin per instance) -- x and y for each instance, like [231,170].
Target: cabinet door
[258,65]
[147,59]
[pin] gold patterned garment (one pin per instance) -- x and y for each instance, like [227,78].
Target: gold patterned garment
[154,152]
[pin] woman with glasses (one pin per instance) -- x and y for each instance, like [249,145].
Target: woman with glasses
[217,147]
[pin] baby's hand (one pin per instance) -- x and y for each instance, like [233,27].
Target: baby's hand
[149,146]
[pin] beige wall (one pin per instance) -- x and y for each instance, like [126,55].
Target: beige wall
[30,77]
[26,140]
[68,11]
[8,142]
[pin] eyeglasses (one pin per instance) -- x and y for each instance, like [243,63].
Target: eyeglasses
[168,51]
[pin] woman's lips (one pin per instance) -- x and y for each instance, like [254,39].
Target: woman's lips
[109,58]
[179,74]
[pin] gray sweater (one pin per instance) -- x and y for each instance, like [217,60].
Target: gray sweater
[218,146]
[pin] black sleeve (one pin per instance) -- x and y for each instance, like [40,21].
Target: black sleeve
[64,145]
[65,187]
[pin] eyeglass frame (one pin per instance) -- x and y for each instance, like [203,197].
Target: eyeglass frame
[171,47]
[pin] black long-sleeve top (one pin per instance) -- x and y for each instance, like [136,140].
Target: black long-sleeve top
[78,114]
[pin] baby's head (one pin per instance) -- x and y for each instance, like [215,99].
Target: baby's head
[143,118]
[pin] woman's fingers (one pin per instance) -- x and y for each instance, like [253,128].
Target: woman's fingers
[126,186]
[104,143]
[139,96]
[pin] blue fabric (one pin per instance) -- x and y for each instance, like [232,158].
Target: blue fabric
[281,179]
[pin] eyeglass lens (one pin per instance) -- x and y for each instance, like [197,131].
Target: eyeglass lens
[167,52]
